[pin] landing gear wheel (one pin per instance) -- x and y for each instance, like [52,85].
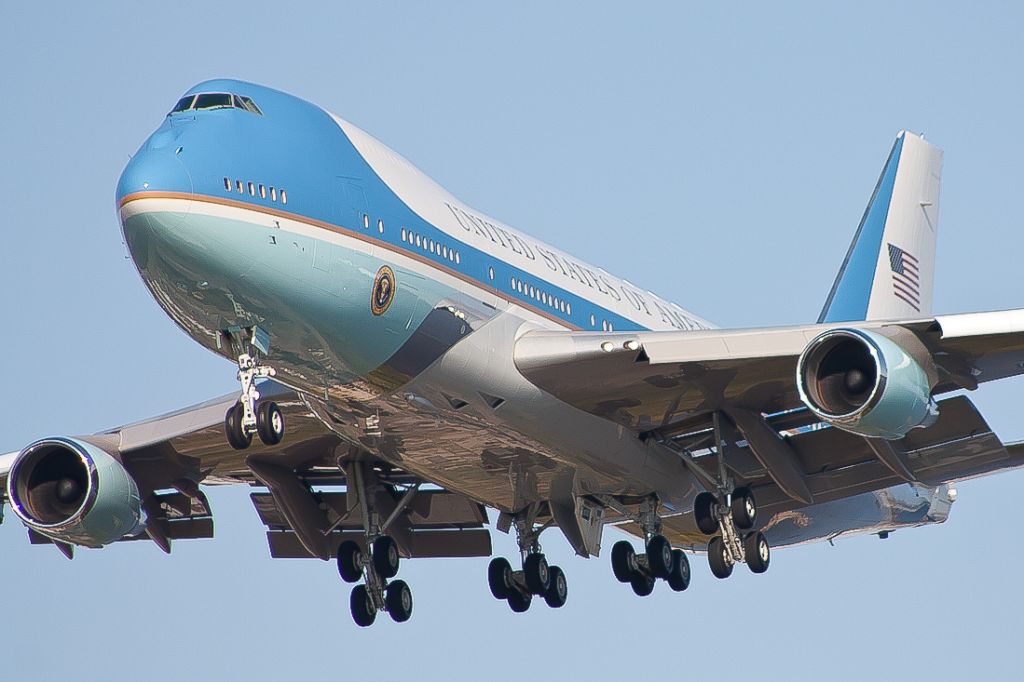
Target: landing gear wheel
[757,552]
[350,565]
[398,599]
[385,557]
[623,561]
[519,602]
[499,577]
[642,584]
[679,578]
[743,508]
[363,610]
[718,558]
[704,513]
[537,574]
[237,437]
[269,423]
[558,589]
[659,556]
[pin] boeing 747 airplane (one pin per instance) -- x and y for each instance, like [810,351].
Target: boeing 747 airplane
[406,363]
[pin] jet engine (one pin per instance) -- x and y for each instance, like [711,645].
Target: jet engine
[72,491]
[864,383]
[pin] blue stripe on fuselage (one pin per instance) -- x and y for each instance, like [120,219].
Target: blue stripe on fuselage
[851,293]
[297,147]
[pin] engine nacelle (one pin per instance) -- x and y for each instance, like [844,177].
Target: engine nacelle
[74,492]
[864,383]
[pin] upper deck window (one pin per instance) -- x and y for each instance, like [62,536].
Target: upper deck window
[216,100]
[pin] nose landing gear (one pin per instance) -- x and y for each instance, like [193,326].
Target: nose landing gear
[249,417]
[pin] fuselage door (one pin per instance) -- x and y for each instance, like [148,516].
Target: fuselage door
[349,203]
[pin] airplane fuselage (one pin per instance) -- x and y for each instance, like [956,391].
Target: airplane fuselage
[287,219]
[391,306]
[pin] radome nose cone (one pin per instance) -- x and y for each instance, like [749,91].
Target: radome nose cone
[155,170]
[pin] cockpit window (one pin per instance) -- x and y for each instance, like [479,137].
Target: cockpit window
[212,100]
[246,103]
[216,100]
[183,104]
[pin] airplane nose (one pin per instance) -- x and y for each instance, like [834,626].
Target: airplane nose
[155,170]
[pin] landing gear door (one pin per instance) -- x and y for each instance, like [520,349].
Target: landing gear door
[581,523]
[590,517]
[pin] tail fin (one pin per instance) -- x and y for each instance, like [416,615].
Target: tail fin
[890,266]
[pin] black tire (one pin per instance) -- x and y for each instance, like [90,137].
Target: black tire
[398,599]
[385,557]
[659,556]
[743,508]
[499,577]
[350,566]
[704,513]
[623,561]
[718,558]
[679,578]
[642,584]
[537,574]
[558,590]
[519,602]
[237,437]
[363,610]
[269,423]
[757,552]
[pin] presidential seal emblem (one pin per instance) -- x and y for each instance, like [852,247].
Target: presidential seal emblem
[384,286]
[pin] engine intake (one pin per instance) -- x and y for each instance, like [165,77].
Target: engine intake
[865,383]
[74,492]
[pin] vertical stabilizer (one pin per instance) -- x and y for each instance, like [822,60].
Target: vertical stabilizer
[889,269]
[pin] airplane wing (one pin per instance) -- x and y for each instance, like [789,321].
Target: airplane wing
[650,380]
[669,386]
[169,456]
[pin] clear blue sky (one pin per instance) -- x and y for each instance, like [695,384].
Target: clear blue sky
[719,156]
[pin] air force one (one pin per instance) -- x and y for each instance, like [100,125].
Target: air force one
[406,362]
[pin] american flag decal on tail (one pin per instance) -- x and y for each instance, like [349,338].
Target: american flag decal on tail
[906,278]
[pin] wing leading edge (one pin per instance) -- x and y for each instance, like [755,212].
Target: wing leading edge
[651,380]
[676,387]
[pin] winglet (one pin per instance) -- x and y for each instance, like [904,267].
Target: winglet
[889,268]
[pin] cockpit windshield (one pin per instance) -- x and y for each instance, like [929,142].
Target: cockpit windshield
[183,104]
[216,100]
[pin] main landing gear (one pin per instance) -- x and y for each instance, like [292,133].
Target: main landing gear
[377,566]
[730,518]
[659,560]
[249,417]
[536,578]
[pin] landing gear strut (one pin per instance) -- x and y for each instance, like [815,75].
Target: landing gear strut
[375,567]
[536,578]
[730,516]
[248,416]
[659,560]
